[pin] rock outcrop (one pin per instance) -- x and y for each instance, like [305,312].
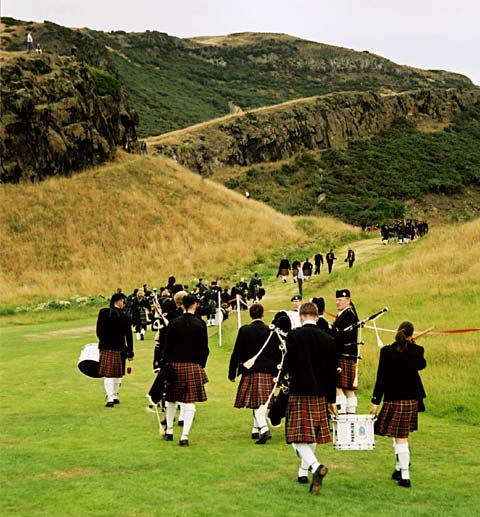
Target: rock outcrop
[326,122]
[54,121]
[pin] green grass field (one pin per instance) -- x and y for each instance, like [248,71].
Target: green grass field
[64,453]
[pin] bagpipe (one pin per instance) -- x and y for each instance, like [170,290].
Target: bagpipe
[156,395]
[282,323]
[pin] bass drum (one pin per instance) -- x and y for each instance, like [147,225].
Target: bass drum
[286,320]
[89,360]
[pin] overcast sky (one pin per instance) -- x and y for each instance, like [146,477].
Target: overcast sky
[430,34]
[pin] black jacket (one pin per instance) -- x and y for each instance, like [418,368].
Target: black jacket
[311,362]
[397,374]
[114,331]
[250,339]
[344,340]
[187,340]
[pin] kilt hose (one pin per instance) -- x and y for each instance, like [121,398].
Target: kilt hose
[346,377]
[307,420]
[397,418]
[254,390]
[111,364]
[187,383]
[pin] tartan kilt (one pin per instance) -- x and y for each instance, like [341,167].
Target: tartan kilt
[111,364]
[307,420]
[187,383]
[254,390]
[284,272]
[397,418]
[346,377]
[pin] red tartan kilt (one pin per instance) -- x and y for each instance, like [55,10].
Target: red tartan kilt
[187,383]
[307,420]
[254,390]
[346,377]
[397,418]
[111,364]
[284,272]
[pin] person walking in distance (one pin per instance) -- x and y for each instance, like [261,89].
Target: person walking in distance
[350,258]
[347,352]
[330,257]
[318,260]
[398,383]
[284,268]
[115,343]
[311,365]
[186,351]
[257,381]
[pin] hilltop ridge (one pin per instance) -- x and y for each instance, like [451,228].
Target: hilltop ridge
[173,83]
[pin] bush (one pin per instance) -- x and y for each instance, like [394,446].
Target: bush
[105,83]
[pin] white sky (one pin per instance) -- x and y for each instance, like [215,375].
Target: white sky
[430,34]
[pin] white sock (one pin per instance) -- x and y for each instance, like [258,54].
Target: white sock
[403,454]
[189,414]
[261,420]
[142,331]
[117,382]
[181,415]
[397,465]
[108,383]
[341,403]
[255,427]
[309,460]
[352,405]
[171,408]
[138,336]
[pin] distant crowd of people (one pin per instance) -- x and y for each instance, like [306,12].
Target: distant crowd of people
[403,230]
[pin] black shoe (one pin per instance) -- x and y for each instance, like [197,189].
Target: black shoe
[397,475]
[142,338]
[405,483]
[116,401]
[180,423]
[110,403]
[183,443]
[255,436]
[317,479]
[302,479]
[263,438]
[168,437]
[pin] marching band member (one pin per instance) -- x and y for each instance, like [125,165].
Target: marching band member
[399,383]
[186,351]
[294,313]
[257,381]
[347,351]
[311,366]
[115,344]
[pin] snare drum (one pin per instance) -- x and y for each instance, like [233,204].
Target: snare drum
[89,360]
[286,320]
[353,432]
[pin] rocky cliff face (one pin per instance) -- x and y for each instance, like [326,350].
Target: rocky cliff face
[327,122]
[54,121]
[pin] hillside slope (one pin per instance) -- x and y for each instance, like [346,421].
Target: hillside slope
[137,220]
[174,83]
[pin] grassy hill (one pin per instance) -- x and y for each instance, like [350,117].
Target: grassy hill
[173,83]
[140,220]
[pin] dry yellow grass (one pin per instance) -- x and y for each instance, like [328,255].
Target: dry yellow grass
[133,221]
